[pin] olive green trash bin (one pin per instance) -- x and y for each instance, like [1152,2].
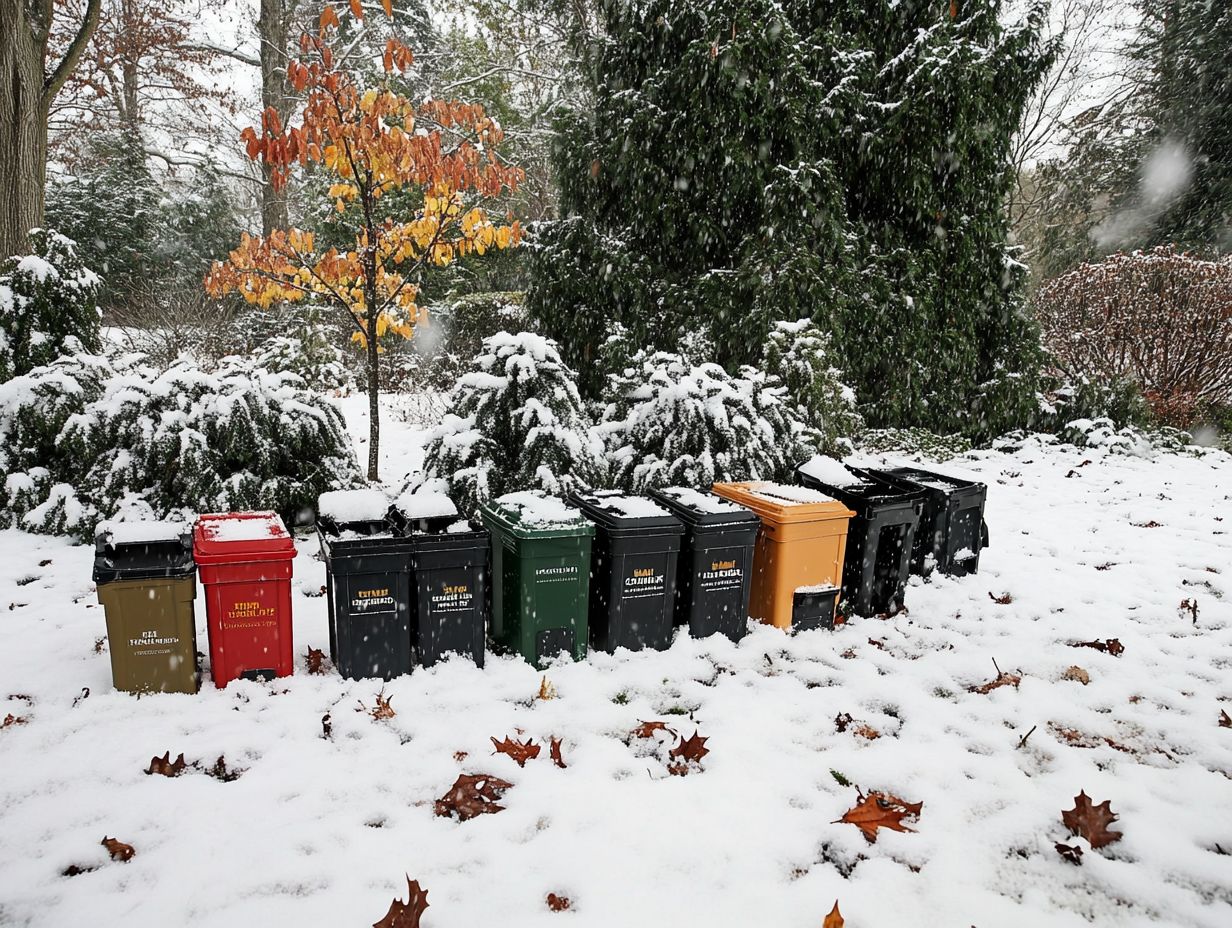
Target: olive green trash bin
[146,582]
[540,575]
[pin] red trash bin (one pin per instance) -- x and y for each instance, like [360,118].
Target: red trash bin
[245,564]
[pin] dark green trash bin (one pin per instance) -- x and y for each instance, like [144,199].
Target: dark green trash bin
[633,570]
[716,562]
[146,581]
[368,580]
[540,575]
[449,564]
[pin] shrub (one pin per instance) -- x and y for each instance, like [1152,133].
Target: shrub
[48,304]
[518,423]
[668,421]
[798,353]
[914,442]
[88,438]
[1160,318]
[311,355]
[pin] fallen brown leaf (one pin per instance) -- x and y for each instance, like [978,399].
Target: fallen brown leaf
[118,849]
[383,708]
[1001,679]
[1091,821]
[165,766]
[1224,720]
[1003,600]
[834,919]
[881,810]
[547,690]
[1077,675]
[558,903]
[315,659]
[554,753]
[1071,852]
[220,772]
[866,731]
[472,795]
[11,719]
[691,750]
[520,751]
[406,914]
[647,729]
[841,721]
[1111,646]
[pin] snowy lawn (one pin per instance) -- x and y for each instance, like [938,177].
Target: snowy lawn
[321,831]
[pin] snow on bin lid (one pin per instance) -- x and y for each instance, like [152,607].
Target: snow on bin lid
[622,504]
[533,510]
[425,504]
[702,502]
[367,505]
[785,494]
[230,536]
[780,503]
[140,533]
[831,472]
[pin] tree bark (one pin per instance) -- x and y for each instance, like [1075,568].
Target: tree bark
[272,33]
[26,94]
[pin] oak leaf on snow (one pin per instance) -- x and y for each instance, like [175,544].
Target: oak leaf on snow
[406,914]
[1091,821]
[881,810]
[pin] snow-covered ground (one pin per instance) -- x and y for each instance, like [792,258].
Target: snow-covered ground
[321,832]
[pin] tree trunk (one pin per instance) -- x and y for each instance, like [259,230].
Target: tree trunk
[272,29]
[374,400]
[26,94]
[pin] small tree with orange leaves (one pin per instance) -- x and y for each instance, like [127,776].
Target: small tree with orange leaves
[368,139]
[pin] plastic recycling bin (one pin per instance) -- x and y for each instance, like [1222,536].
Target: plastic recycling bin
[449,564]
[245,564]
[716,562]
[368,581]
[633,570]
[146,585]
[540,575]
[798,556]
[879,537]
[952,530]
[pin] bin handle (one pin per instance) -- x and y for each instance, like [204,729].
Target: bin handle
[984,534]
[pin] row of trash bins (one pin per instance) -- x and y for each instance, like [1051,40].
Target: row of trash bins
[410,582]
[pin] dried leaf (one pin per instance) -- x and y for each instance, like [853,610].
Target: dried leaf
[316,660]
[554,753]
[866,731]
[546,689]
[881,810]
[647,729]
[327,726]
[1002,679]
[118,849]
[472,795]
[691,750]
[406,914]
[1077,675]
[220,772]
[1071,852]
[1091,821]
[164,766]
[11,719]
[558,903]
[383,708]
[1111,646]
[1224,720]
[520,751]
[834,919]
[460,756]
[1003,600]
[842,720]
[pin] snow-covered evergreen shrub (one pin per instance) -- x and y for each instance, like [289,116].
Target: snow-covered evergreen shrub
[517,423]
[89,438]
[48,298]
[1119,400]
[799,354]
[312,355]
[914,442]
[667,421]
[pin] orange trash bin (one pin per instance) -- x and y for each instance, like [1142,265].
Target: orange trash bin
[798,556]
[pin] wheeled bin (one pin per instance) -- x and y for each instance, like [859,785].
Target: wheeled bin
[449,571]
[368,581]
[716,559]
[540,575]
[146,583]
[798,556]
[633,570]
[879,537]
[245,564]
[952,530]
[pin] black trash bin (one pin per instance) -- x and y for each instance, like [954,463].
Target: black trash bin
[633,570]
[879,537]
[449,560]
[368,579]
[716,561]
[952,530]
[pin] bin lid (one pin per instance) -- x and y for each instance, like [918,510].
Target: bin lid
[142,551]
[853,486]
[426,512]
[780,502]
[940,483]
[530,514]
[343,506]
[238,537]
[701,508]
[616,510]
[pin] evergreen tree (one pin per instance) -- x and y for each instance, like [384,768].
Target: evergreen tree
[798,354]
[749,162]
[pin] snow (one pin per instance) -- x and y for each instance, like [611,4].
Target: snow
[255,527]
[534,508]
[36,267]
[136,533]
[829,471]
[364,505]
[425,505]
[320,832]
[783,494]
[702,502]
[623,504]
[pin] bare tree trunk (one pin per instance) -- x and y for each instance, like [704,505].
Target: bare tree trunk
[374,402]
[26,93]
[272,30]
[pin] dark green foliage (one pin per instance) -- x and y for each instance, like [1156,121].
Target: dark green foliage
[48,305]
[799,354]
[749,162]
